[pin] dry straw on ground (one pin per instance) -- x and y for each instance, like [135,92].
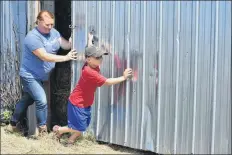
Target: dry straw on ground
[16,144]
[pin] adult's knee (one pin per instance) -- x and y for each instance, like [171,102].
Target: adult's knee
[41,104]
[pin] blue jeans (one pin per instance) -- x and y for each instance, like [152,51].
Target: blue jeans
[33,91]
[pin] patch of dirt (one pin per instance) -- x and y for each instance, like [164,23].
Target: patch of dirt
[16,144]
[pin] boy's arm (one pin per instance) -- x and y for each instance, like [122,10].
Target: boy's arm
[126,74]
[112,81]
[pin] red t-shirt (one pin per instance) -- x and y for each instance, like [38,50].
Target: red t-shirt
[83,94]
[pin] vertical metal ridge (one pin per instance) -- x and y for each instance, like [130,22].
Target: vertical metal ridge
[112,73]
[1,46]
[230,86]
[135,15]
[116,46]
[86,19]
[99,89]
[1,30]
[159,77]
[144,72]
[215,79]
[195,77]
[73,5]
[2,38]
[10,23]
[177,76]
[127,82]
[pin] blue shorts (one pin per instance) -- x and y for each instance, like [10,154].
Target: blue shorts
[78,118]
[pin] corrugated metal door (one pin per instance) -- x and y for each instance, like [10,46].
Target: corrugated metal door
[179,100]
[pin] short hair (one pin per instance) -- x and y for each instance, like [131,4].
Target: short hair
[39,17]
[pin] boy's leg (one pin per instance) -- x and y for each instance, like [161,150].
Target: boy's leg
[72,139]
[65,129]
[59,131]
[79,119]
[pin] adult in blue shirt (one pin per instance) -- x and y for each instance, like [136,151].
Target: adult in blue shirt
[38,59]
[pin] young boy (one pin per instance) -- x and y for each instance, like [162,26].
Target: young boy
[82,97]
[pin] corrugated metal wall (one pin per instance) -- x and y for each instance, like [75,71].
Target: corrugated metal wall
[17,18]
[13,29]
[180,98]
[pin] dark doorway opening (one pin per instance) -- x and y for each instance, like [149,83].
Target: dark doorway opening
[60,79]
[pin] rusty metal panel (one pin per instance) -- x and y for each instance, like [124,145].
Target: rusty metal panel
[179,100]
[13,29]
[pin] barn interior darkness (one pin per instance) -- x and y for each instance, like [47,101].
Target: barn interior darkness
[60,79]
